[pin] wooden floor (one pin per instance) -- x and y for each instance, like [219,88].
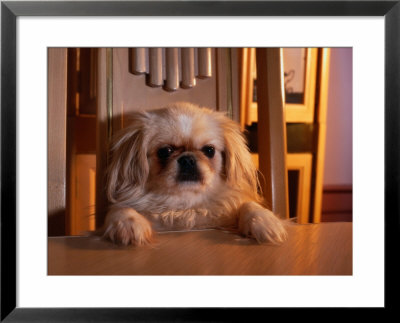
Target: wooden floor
[312,249]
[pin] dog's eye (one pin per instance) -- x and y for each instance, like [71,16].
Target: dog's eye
[209,151]
[165,152]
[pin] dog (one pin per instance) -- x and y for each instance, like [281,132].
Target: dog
[184,167]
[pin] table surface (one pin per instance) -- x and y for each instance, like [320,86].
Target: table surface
[312,249]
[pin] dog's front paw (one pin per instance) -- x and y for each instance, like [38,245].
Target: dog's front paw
[126,226]
[261,224]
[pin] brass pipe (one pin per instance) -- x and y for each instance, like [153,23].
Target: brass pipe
[188,77]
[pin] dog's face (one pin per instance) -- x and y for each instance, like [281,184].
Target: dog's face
[185,153]
[181,151]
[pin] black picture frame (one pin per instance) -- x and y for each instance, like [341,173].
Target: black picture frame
[10,10]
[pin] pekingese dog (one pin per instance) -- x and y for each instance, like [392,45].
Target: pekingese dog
[184,167]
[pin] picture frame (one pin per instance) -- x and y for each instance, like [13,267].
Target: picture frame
[301,165]
[294,111]
[11,10]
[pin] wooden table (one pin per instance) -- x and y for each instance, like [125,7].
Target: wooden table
[312,249]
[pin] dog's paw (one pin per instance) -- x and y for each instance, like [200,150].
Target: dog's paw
[126,226]
[261,224]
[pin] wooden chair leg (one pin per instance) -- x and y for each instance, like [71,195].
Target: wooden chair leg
[272,130]
[57,131]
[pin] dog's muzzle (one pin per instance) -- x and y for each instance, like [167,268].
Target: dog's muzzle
[188,171]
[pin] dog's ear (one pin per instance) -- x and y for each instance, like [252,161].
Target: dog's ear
[128,165]
[239,167]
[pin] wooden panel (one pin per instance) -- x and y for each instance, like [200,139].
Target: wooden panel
[85,130]
[131,93]
[82,81]
[81,128]
[228,81]
[73,82]
[323,249]
[234,94]
[57,123]
[87,81]
[244,86]
[271,130]
[303,164]
[321,120]
[83,219]
[81,141]
[337,203]
[251,95]
[222,100]
[102,136]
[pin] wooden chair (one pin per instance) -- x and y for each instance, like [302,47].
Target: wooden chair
[304,118]
[119,86]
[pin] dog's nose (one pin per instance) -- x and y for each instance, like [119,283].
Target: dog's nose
[188,171]
[187,162]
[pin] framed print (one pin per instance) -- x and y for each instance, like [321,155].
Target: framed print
[300,72]
[188,14]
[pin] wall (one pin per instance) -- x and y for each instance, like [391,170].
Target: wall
[339,146]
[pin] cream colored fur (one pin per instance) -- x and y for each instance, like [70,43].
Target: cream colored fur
[145,194]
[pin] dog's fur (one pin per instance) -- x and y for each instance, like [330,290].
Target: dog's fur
[184,167]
